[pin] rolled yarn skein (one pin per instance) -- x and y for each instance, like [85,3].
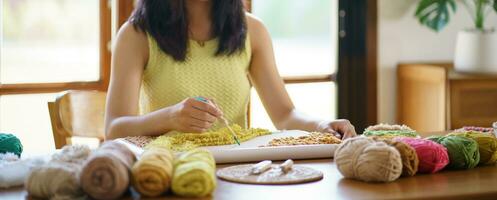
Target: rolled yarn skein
[487,146]
[432,156]
[367,160]
[463,152]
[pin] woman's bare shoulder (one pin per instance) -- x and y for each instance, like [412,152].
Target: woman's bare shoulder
[132,36]
[256,30]
[131,41]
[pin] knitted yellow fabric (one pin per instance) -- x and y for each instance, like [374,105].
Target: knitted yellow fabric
[224,78]
[178,142]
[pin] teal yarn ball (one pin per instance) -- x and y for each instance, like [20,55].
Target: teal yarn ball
[463,152]
[10,143]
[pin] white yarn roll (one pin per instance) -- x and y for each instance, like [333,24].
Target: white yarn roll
[14,173]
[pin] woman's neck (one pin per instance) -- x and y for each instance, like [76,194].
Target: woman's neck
[199,19]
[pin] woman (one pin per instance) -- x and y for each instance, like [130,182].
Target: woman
[173,51]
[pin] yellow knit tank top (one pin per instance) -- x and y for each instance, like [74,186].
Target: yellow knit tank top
[166,82]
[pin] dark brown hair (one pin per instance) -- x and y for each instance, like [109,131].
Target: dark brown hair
[166,21]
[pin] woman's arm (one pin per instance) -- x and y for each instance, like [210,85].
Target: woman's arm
[271,88]
[129,58]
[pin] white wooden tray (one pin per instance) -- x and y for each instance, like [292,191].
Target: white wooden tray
[251,150]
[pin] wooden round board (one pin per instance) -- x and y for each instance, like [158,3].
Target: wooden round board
[273,176]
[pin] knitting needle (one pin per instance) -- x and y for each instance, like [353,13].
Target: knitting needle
[225,121]
[227,124]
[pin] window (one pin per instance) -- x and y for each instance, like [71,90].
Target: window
[38,59]
[43,42]
[46,47]
[304,35]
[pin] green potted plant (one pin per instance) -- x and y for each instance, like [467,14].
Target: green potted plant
[476,48]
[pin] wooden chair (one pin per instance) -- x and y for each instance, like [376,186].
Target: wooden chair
[77,113]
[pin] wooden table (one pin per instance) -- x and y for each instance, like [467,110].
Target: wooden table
[478,183]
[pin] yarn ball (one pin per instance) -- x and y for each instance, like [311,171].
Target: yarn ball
[10,143]
[367,160]
[487,145]
[152,174]
[388,127]
[194,174]
[54,181]
[488,130]
[105,174]
[58,178]
[390,131]
[408,155]
[432,156]
[463,152]
[8,157]
[15,171]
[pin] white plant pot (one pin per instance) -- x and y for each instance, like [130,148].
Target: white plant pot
[476,52]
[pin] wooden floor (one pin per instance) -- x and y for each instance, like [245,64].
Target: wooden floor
[478,183]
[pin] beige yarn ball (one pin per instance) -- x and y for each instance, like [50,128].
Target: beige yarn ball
[54,181]
[59,178]
[367,160]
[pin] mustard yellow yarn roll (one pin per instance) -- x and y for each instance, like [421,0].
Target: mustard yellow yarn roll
[152,174]
[487,145]
[194,174]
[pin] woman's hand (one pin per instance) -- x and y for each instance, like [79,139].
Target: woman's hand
[342,128]
[193,116]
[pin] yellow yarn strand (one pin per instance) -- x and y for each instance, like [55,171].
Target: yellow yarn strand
[194,174]
[189,141]
[152,174]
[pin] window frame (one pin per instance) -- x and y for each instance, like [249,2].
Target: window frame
[357,68]
[299,79]
[105,57]
[316,78]
[356,76]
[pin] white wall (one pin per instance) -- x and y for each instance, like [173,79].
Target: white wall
[402,39]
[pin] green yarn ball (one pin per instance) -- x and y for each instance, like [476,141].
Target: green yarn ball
[487,145]
[463,152]
[10,143]
[391,133]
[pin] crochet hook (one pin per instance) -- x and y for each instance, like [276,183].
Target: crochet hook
[225,121]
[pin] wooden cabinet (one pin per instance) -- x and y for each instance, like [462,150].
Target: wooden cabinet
[433,97]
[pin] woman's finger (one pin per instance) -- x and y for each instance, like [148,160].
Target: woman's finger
[196,129]
[335,133]
[202,115]
[207,107]
[349,132]
[217,106]
[200,123]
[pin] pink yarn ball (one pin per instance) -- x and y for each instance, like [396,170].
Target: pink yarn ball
[433,157]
